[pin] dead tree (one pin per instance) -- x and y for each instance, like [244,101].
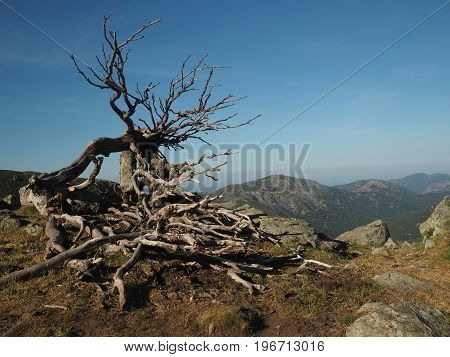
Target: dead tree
[163,221]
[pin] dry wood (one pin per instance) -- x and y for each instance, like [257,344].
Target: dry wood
[160,218]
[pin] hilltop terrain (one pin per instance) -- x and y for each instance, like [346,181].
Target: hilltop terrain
[365,283]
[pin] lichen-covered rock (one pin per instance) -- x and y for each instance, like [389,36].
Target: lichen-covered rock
[369,307]
[401,282]
[292,232]
[439,220]
[405,319]
[296,234]
[376,232]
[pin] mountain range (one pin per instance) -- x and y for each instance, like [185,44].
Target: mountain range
[334,210]
[402,203]
[423,183]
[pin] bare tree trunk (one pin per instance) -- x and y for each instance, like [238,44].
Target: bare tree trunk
[127,167]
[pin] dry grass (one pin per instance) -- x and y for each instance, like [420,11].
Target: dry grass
[432,266]
[202,303]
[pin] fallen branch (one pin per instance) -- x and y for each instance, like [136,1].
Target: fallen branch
[89,246]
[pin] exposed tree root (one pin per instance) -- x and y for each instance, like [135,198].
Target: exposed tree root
[86,247]
[159,218]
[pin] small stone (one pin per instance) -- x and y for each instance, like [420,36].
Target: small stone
[380,251]
[211,329]
[390,243]
[34,229]
[429,243]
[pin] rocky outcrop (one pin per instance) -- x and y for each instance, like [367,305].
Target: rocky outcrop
[439,221]
[376,232]
[405,319]
[296,234]
[292,232]
[401,282]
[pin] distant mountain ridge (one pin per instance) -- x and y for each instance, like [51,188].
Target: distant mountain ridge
[424,183]
[11,181]
[334,210]
[401,203]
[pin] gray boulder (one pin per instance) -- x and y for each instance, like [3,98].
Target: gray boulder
[401,282]
[376,232]
[439,220]
[405,319]
[292,232]
[296,234]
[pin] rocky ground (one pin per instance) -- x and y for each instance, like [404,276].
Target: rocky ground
[376,287]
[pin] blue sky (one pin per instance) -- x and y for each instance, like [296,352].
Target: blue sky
[390,120]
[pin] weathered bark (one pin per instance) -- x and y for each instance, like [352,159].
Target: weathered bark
[56,239]
[127,167]
[99,146]
[120,273]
